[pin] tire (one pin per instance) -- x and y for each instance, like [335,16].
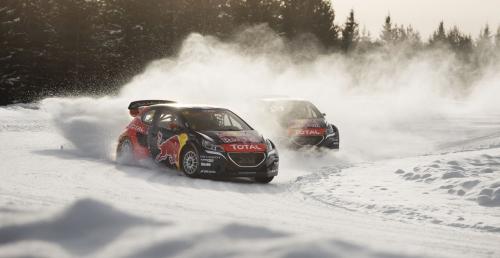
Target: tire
[190,162]
[264,179]
[125,152]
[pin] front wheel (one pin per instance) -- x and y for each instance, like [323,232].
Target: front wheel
[190,162]
[264,179]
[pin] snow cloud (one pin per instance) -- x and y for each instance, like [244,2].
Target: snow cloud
[385,104]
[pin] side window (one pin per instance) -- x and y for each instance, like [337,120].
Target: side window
[147,117]
[168,120]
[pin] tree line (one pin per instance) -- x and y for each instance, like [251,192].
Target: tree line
[57,47]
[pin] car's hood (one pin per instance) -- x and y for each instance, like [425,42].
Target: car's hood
[307,123]
[230,137]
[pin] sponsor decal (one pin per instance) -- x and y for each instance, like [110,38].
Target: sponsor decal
[209,158]
[242,137]
[234,147]
[138,126]
[203,164]
[307,132]
[204,171]
[170,148]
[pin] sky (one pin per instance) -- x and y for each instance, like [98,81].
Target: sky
[424,15]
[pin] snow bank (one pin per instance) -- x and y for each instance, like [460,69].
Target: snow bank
[474,178]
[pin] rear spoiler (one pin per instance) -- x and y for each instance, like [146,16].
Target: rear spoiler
[134,106]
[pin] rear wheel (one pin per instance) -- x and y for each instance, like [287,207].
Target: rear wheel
[190,162]
[264,179]
[125,152]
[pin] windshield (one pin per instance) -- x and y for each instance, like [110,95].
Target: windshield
[214,120]
[295,110]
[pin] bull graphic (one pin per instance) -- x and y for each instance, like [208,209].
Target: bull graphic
[168,149]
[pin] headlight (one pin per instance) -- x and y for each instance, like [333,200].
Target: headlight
[270,145]
[211,146]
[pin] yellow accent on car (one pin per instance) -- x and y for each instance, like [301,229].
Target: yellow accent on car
[183,138]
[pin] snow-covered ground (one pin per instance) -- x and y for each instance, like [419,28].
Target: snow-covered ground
[61,202]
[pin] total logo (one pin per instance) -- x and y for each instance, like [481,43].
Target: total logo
[244,147]
[307,132]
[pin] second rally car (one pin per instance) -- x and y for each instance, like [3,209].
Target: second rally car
[298,123]
[201,141]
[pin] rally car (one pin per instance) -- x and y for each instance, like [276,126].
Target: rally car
[300,123]
[201,141]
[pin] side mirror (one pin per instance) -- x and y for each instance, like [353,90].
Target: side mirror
[324,114]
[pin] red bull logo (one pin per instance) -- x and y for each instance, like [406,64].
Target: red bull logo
[169,149]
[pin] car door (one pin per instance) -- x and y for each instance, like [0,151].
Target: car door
[163,138]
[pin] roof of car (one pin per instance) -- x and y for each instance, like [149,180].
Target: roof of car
[187,106]
[284,99]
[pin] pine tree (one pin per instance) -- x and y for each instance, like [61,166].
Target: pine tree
[254,12]
[75,34]
[350,33]
[10,71]
[138,31]
[439,36]
[386,36]
[400,35]
[413,38]
[365,35]
[323,23]
[365,41]
[460,43]
[313,16]
[484,41]
[25,52]
[497,39]
[484,52]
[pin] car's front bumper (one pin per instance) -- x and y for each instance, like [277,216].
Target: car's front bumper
[219,164]
[327,141]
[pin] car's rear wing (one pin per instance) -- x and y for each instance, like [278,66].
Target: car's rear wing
[134,106]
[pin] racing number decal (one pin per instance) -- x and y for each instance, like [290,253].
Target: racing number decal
[170,148]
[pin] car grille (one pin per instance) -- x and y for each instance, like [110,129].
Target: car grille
[307,140]
[247,159]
